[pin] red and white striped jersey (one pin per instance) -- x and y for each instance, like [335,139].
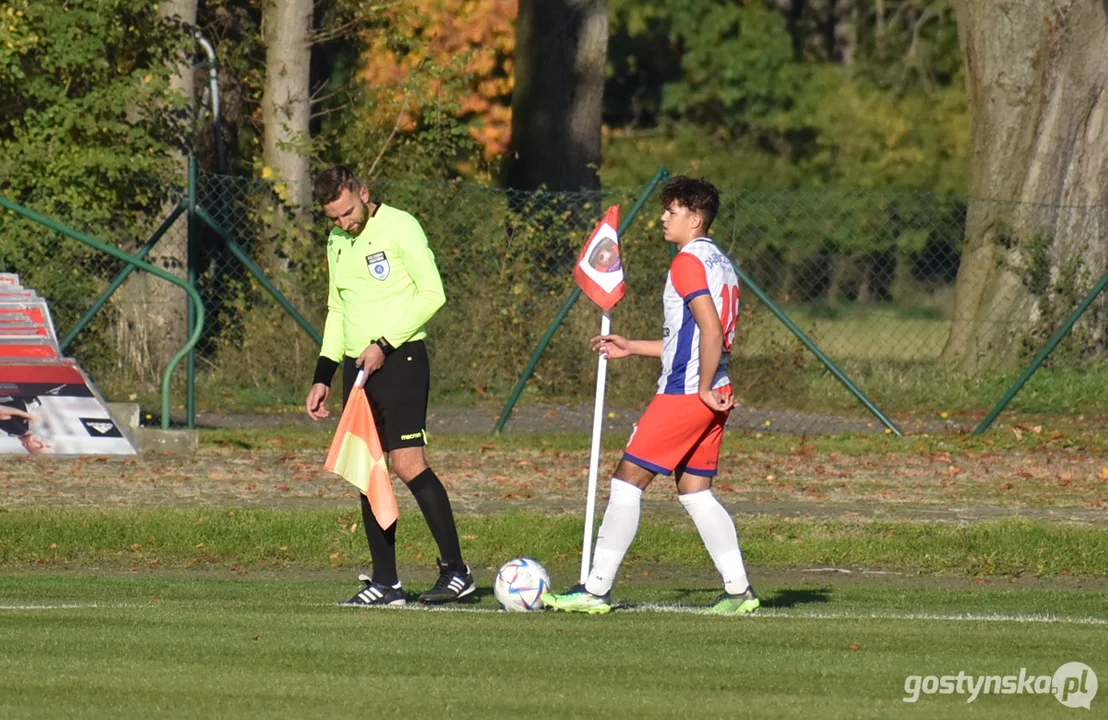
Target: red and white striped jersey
[700,268]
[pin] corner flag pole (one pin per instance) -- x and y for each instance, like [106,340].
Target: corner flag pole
[594,455]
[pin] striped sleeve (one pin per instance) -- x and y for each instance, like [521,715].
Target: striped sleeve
[688,276]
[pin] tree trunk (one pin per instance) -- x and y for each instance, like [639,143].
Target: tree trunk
[843,277]
[848,31]
[1037,78]
[151,320]
[561,51]
[864,269]
[900,285]
[793,10]
[286,98]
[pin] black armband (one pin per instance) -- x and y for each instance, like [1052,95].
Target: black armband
[386,348]
[325,369]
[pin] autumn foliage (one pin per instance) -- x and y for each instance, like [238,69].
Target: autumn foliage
[461,47]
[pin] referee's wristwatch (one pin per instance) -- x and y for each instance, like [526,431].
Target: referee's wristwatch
[386,348]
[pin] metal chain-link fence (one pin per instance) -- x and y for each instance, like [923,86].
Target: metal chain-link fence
[872,277]
[930,303]
[143,319]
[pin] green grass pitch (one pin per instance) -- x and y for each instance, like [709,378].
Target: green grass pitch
[139,646]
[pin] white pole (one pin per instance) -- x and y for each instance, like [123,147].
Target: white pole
[594,456]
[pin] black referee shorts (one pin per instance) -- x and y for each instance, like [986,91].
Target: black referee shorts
[397,395]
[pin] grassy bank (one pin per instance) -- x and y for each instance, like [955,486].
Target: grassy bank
[1060,434]
[794,381]
[318,538]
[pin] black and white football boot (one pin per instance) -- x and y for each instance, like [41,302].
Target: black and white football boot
[374,595]
[455,582]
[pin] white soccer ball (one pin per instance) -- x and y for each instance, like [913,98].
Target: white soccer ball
[519,585]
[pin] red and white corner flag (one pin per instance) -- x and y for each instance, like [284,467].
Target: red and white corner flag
[599,274]
[599,270]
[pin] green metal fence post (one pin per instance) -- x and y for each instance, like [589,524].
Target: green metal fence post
[1042,356]
[122,276]
[827,362]
[539,350]
[659,177]
[259,275]
[191,273]
[140,264]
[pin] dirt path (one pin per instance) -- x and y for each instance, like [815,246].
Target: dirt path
[578,418]
[1059,486]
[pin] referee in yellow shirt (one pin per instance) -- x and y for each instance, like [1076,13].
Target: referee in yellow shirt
[383,288]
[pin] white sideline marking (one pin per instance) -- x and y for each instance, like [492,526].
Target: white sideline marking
[72,606]
[52,607]
[768,612]
[764,612]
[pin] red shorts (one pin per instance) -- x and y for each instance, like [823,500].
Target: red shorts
[678,433]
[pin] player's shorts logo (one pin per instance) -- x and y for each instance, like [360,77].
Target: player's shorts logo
[378,265]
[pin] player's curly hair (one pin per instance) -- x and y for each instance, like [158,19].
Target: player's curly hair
[698,195]
[331,182]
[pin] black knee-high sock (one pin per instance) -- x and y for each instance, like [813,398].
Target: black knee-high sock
[382,547]
[382,543]
[433,501]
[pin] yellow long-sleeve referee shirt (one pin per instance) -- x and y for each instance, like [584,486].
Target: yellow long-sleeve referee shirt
[382,284]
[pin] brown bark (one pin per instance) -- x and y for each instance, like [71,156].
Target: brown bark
[286,98]
[151,321]
[1037,79]
[557,102]
[844,278]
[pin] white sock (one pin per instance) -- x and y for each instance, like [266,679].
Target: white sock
[621,522]
[717,530]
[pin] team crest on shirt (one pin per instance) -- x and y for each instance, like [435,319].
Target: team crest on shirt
[378,265]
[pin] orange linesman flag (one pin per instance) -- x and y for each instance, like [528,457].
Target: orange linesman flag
[599,270]
[357,456]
